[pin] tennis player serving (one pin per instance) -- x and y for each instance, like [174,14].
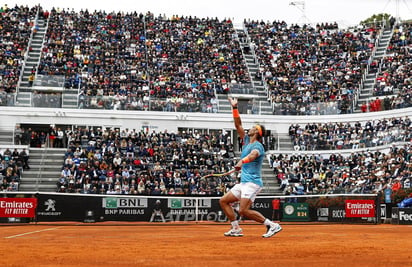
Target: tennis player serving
[251,183]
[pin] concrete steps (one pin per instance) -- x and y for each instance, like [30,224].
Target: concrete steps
[366,93]
[24,94]
[45,167]
[270,184]
[6,137]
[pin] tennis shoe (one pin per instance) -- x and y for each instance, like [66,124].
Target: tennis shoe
[234,232]
[272,230]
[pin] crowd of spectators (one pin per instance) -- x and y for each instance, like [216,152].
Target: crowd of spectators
[125,61]
[350,135]
[146,163]
[136,61]
[12,164]
[395,75]
[359,172]
[46,100]
[306,65]
[16,25]
[53,137]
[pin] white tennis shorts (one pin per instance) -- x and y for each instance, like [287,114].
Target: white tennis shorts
[246,190]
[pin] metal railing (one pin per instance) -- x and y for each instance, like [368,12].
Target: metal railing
[46,100]
[7,99]
[307,109]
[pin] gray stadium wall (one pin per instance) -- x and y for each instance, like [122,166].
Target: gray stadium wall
[171,121]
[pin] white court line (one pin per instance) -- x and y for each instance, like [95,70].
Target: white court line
[28,233]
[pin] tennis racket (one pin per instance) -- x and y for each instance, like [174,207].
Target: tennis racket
[219,174]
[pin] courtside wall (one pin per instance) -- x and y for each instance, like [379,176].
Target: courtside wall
[53,207]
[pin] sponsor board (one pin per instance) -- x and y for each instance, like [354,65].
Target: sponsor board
[49,208]
[337,214]
[18,207]
[401,215]
[64,207]
[383,211]
[192,209]
[117,202]
[359,208]
[323,214]
[295,212]
[123,206]
[179,203]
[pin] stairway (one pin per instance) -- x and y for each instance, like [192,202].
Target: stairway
[257,92]
[69,98]
[25,92]
[366,92]
[6,137]
[253,68]
[285,142]
[270,183]
[45,168]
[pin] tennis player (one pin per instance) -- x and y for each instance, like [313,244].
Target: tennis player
[250,179]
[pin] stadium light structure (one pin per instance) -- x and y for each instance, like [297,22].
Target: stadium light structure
[301,6]
[397,8]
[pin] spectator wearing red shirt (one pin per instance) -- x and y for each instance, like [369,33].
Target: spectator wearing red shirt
[276,209]
[396,185]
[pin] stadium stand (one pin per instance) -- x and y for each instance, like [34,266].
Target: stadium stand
[394,78]
[305,65]
[364,172]
[122,61]
[156,163]
[332,136]
[153,63]
[142,62]
[13,161]
[16,27]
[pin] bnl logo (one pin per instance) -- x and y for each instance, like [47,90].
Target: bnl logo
[178,203]
[113,203]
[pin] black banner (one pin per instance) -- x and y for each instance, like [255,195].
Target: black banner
[66,207]
[55,207]
[337,214]
[401,215]
[93,208]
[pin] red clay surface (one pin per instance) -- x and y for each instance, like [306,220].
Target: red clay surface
[181,245]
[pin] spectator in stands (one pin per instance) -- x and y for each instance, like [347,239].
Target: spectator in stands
[346,136]
[18,135]
[24,158]
[15,33]
[361,172]
[137,166]
[285,60]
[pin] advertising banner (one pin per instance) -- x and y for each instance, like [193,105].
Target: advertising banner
[125,208]
[55,207]
[337,214]
[405,215]
[94,208]
[18,207]
[91,208]
[295,212]
[322,214]
[401,215]
[359,208]
[386,211]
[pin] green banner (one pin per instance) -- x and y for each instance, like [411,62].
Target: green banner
[295,212]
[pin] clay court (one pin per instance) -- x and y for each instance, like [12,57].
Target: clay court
[177,244]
